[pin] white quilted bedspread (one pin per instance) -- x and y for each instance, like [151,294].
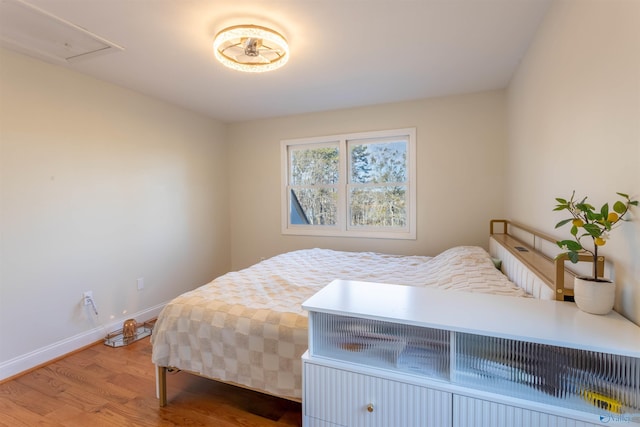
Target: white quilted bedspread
[248,327]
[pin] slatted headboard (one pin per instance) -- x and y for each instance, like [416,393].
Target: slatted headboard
[525,264]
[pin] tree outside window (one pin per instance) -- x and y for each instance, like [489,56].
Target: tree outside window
[350,185]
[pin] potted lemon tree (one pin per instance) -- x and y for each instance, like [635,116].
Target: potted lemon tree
[592,294]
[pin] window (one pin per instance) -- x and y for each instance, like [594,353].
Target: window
[360,185]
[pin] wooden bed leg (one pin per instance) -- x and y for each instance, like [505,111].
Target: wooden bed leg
[161,385]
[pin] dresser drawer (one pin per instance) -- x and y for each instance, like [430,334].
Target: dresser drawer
[349,399]
[315,422]
[471,412]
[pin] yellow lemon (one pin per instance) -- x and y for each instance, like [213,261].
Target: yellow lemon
[578,222]
[612,217]
[600,241]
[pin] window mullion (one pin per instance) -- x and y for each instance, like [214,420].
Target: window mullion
[343,205]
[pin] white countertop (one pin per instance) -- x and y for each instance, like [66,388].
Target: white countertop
[525,319]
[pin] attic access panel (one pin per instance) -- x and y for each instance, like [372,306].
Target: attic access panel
[33,31]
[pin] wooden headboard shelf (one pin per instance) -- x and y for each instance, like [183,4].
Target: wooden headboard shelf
[552,271]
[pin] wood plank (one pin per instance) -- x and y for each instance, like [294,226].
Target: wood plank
[15,415]
[105,386]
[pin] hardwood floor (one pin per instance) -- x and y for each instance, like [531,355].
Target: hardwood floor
[104,386]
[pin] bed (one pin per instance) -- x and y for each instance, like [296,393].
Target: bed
[247,327]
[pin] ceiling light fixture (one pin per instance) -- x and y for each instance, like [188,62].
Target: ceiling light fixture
[251,48]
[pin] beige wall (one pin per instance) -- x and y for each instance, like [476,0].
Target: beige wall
[100,186]
[460,148]
[574,123]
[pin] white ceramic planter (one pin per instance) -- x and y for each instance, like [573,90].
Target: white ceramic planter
[594,297]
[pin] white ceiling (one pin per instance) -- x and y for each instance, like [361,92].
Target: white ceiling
[344,53]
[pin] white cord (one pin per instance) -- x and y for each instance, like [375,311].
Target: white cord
[88,300]
[93,304]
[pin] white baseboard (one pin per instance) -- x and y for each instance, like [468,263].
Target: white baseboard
[43,355]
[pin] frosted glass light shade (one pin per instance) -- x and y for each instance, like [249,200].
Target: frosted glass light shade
[251,48]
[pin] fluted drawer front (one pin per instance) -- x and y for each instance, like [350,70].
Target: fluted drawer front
[470,412]
[349,399]
[314,422]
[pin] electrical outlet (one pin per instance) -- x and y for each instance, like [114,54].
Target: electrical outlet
[140,282]
[87,297]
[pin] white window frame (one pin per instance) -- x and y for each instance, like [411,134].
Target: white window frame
[342,229]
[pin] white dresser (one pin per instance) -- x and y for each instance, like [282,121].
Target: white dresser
[398,356]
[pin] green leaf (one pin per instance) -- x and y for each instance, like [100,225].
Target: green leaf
[573,257]
[563,201]
[584,207]
[574,230]
[592,216]
[563,222]
[626,196]
[634,203]
[619,207]
[604,210]
[593,230]
[570,245]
